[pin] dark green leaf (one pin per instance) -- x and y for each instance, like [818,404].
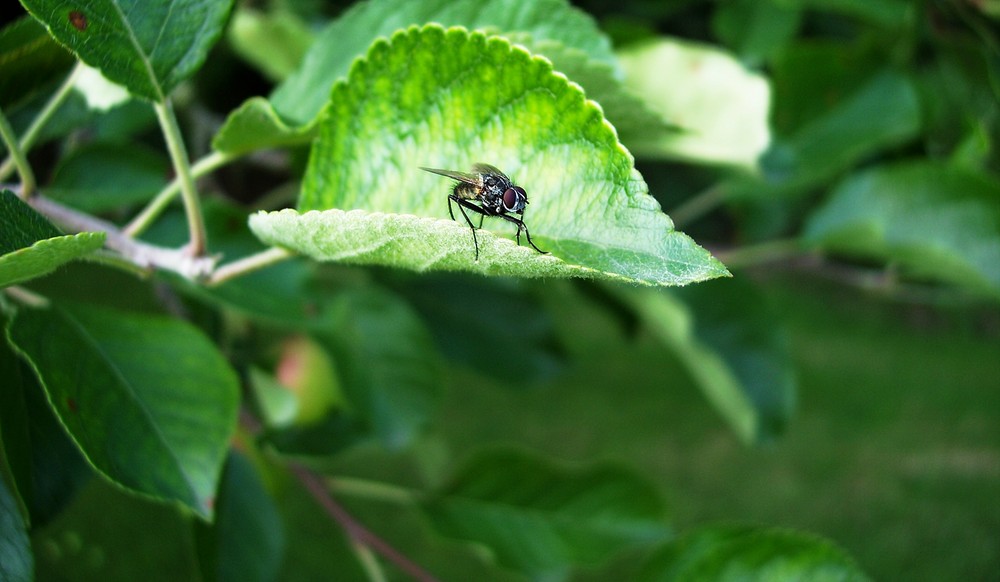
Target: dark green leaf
[886,13]
[149,47]
[543,520]
[246,541]
[304,94]
[149,401]
[29,60]
[756,29]
[933,220]
[742,553]
[431,112]
[17,564]
[102,177]
[30,246]
[46,467]
[390,371]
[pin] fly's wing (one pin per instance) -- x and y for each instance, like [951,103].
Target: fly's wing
[481,168]
[474,179]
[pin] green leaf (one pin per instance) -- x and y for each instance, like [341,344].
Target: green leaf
[17,563]
[149,400]
[149,47]
[102,176]
[740,553]
[256,125]
[30,246]
[302,96]
[246,541]
[887,13]
[756,29]
[275,43]
[29,60]
[727,339]
[420,97]
[933,220]
[541,519]
[46,467]
[391,373]
[883,113]
[721,106]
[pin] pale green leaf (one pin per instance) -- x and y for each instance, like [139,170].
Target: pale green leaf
[419,100]
[30,246]
[256,125]
[275,43]
[301,97]
[931,219]
[721,106]
[542,519]
[149,47]
[149,400]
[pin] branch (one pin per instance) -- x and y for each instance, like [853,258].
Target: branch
[144,255]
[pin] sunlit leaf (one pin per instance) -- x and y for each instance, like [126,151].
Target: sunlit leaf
[419,101]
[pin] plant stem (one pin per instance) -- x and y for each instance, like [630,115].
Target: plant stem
[357,532]
[145,218]
[17,155]
[182,166]
[53,104]
[26,297]
[143,255]
[365,489]
[248,264]
[368,562]
[698,205]
[765,252]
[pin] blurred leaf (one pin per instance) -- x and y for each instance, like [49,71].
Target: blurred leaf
[892,14]
[149,400]
[274,43]
[756,29]
[246,541]
[149,47]
[502,319]
[721,107]
[391,374]
[543,520]
[303,95]
[100,177]
[934,220]
[883,113]
[46,467]
[29,60]
[436,115]
[17,563]
[729,342]
[256,125]
[335,433]
[744,553]
[30,246]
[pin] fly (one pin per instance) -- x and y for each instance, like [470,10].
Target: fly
[488,192]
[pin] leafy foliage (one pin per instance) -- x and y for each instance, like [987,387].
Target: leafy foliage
[846,141]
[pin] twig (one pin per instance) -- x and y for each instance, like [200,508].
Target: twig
[248,264]
[142,254]
[698,205]
[17,156]
[182,166]
[355,530]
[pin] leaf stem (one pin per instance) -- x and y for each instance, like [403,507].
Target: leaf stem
[357,532]
[698,205]
[756,254]
[368,562]
[53,104]
[182,167]
[143,255]
[17,155]
[248,264]
[366,489]
[140,223]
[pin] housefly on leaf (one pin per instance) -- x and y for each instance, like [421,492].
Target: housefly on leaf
[488,192]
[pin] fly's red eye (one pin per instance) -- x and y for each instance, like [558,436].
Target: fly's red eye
[510,197]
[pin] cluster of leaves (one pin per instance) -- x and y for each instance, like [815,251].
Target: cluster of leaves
[140,380]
